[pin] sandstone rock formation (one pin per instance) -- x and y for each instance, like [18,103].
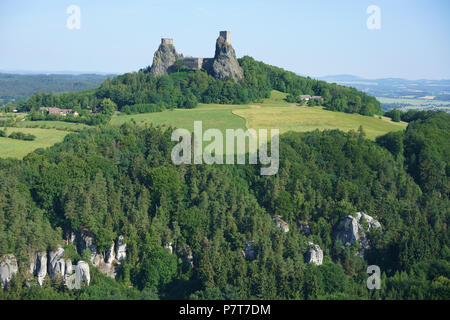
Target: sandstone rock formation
[56,263]
[305,229]
[110,254]
[41,266]
[168,245]
[225,64]
[187,255]
[82,274]
[86,241]
[314,254]
[351,230]
[8,268]
[249,251]
[68,268]
[121,249]
[281,224]
[164,58]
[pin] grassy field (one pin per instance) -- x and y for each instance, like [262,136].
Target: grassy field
[61,125]
[11,148]
[273,112]
[296,118]
[212,115]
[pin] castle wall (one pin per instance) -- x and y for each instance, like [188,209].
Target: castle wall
[167,41]
[226,36]
[192,63]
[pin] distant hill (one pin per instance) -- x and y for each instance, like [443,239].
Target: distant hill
[15,87]
[396,87]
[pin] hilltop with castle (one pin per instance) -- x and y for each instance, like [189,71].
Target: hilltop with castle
[223,66]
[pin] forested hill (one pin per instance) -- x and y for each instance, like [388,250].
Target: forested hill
[186,88]
[215,231]
[15,87]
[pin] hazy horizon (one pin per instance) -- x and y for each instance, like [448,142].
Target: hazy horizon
[312,39]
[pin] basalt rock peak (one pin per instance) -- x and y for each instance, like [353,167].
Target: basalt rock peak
[165,58]
[223,66]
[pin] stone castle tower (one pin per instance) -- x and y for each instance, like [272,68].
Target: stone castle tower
[226,36]
[224,64]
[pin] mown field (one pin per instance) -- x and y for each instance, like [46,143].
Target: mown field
[270,113]
[11,148]
[303,119]
[212,116]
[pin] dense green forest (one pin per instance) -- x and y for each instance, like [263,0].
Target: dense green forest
[16,87]
[120,181]
[185,89]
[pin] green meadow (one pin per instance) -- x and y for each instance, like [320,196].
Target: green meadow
[273,112]
[11,148]
[212,116]
[303,119]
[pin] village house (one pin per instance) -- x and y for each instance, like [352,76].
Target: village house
[307,97]
[59,111]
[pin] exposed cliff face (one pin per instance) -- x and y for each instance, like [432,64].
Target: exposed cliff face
[8,268]
[225,63]
[249,252]
[164,58]
[82,274]
[121,249]
[40,270]
[351,230]
[314,254]
[280,223]
[56,263]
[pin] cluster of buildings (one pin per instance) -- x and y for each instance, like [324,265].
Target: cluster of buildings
[58,111]
[307,97]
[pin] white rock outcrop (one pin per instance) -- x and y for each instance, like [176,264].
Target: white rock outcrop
[280,223]
[41,266]
[314,254]
[249,251]
[82,274]
[121,249]
[8,268]
[68,268]
[56,263]
[86,241]
[351,230]
[168,245]
[110,254]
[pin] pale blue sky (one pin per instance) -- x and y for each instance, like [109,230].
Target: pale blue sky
[315,38]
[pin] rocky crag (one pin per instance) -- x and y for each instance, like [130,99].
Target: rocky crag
[223,66]
[55,264]
[164,58]
[353,229]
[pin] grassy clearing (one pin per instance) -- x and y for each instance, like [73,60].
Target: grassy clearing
[273,112]
[310,118]
[276,99]
[11,148]
[59,125]
[212,115]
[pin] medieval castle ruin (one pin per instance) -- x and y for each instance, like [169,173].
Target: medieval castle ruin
[223,66]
